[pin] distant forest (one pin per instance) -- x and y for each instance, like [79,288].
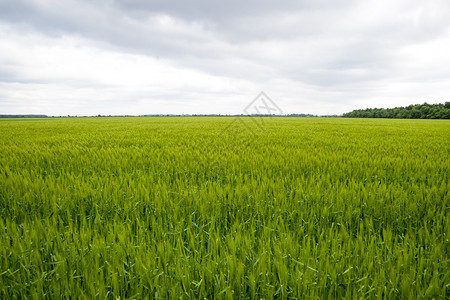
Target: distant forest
[418,111]
[23,116]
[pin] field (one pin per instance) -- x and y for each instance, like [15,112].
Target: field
[200,207]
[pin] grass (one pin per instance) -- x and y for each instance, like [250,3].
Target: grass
[191,207]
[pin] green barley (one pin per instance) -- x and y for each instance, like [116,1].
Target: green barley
[179,208]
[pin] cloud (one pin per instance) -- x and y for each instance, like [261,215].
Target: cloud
[135,56]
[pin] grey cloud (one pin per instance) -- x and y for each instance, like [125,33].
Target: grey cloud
[322,44]
[125,22]
[128,24]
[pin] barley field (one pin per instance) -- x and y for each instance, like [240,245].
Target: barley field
[223,207]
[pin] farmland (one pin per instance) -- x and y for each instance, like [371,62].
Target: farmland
[193,207]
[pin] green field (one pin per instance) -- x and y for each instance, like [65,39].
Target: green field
[190,207]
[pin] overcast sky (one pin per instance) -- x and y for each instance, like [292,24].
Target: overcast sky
[61,57]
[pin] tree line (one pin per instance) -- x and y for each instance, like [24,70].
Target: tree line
[417,111]
[23,116]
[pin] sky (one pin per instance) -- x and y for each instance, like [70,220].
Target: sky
[134,57]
